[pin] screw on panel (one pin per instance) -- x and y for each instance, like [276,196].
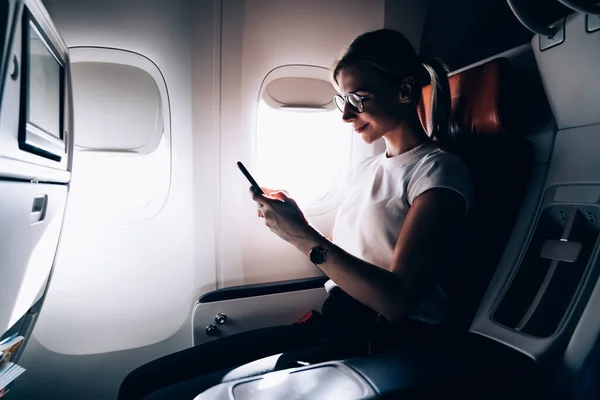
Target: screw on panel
[221,318]
[212,330]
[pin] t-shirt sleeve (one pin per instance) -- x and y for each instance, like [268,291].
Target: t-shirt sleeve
[444,170]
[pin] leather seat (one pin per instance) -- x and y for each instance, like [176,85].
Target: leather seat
[484,132]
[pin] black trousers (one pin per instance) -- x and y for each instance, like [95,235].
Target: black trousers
[345,329]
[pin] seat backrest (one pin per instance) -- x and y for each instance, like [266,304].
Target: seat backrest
[484,133]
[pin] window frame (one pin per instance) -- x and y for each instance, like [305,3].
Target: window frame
[108,55]
[334,197]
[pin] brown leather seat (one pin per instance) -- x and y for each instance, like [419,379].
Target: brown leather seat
[484,132]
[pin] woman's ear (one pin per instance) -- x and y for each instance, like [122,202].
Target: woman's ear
[406,90]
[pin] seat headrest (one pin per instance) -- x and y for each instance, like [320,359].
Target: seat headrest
[476,101]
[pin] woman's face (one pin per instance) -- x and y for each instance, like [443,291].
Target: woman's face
[383,109]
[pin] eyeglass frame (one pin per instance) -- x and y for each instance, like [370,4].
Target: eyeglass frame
[345,100]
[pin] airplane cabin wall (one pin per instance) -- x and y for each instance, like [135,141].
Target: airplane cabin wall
[214,56]
[98,324]
[122,275]
[270,36]
[274,33]
[206,102]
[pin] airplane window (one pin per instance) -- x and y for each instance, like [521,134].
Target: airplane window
[302,150]
[120,188]
[129,95]
[122,151]
[121,221]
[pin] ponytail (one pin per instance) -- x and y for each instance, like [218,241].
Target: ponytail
[440,99]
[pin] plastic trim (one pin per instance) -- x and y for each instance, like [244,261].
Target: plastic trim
[592,23]
[558,37]
[262,289]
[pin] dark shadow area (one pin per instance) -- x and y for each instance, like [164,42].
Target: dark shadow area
[462,32]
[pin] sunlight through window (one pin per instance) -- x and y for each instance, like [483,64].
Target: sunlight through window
[303,151]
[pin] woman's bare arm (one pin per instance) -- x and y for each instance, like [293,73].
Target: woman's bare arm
[421,250]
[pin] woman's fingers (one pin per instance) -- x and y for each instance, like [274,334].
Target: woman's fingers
[281,195]
[261,199]
[270,192]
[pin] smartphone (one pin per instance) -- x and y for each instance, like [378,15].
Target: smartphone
[249,177]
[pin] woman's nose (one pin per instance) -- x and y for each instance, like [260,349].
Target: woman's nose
[349,113]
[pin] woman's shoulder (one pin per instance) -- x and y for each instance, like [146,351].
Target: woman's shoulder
[442,159]
[440,168]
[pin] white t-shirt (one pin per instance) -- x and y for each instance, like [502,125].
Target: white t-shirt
[380,192]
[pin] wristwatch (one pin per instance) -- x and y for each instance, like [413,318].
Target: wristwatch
[318,254]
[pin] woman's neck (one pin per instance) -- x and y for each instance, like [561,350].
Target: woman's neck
[405,137]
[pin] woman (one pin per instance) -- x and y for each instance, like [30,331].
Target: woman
[391,240]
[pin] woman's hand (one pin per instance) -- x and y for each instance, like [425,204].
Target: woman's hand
[282,215]
[268,193]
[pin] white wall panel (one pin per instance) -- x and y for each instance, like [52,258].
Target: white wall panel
[123,277]
[105,317]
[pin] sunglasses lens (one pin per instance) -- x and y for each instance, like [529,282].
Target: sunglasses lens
[356,102]
[353,99]
[339,102]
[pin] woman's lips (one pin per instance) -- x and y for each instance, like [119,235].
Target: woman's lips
[361,128]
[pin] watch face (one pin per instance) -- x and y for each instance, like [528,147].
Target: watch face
[317,255]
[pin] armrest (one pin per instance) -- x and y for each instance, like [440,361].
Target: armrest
[262,289]
[452,367]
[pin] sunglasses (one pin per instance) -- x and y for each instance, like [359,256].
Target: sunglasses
[355,101]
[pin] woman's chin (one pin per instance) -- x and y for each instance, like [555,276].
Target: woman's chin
[367,138]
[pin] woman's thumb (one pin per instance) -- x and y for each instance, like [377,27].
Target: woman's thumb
[280,195]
